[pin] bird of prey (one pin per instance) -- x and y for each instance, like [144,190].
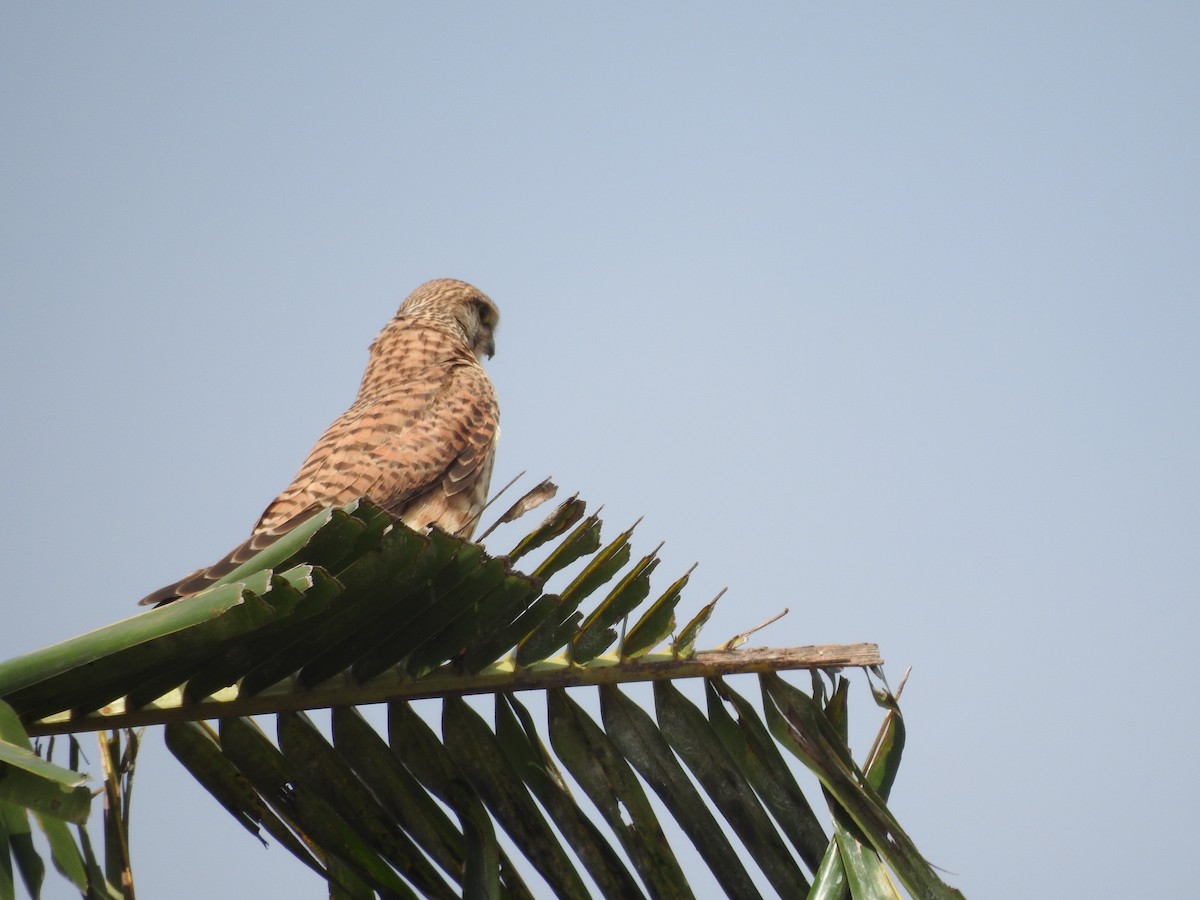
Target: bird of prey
[419,440]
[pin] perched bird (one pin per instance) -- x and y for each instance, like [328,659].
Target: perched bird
[419,440]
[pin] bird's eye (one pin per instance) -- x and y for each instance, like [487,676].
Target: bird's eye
[486,316]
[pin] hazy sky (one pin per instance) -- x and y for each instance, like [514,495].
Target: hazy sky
[886,313]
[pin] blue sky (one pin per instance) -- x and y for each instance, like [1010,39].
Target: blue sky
[885,314]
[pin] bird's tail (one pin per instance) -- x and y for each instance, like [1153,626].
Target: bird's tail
[203,578]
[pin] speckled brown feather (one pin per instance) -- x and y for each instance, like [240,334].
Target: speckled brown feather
[419,440]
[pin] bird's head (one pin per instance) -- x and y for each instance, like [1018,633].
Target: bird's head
[462,306]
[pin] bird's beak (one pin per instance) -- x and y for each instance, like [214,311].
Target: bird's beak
[490,348]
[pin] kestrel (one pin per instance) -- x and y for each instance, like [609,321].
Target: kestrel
[419,440]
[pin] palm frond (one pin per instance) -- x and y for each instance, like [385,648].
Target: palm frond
[355,609]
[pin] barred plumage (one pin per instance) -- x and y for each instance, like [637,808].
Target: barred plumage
[419,440]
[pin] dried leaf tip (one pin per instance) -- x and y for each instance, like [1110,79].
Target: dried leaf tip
[738,639]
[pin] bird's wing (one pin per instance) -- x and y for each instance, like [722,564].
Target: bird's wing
[422,451]
[437,429]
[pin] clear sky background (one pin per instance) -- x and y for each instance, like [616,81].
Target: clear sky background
[886,313]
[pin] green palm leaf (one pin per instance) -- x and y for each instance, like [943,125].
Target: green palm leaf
[354,609]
